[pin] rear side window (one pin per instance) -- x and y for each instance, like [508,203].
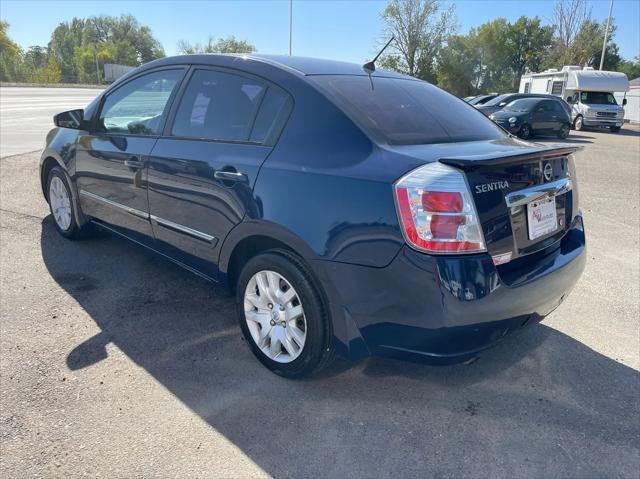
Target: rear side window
[557,88]
[406,112]
[273,113]
[138,107]
[556,107]
[218,106]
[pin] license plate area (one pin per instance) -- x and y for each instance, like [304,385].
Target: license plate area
[542,218]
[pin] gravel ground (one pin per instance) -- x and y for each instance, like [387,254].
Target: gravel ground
[115,363]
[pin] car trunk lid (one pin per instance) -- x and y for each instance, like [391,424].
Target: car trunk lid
[525,199]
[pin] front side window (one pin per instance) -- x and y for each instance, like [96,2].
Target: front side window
[407,112]
[597,98]
[218,106]
[138,107]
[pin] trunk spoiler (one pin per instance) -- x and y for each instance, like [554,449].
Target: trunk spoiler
[535,153]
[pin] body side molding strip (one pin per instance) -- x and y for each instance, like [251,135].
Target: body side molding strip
[113,204]
[182,229]
[155,219]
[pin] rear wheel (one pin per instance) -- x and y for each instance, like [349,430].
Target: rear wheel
[525,131]
[564,131]
[578,123]
[283,315]
[62,205]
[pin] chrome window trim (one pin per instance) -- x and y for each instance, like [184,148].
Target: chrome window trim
[554,188]
[184,229]
[113,204]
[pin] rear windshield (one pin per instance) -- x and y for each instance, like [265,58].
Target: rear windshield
[407,112]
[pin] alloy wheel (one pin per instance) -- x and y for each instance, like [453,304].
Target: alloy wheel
[275,316]
[60,203]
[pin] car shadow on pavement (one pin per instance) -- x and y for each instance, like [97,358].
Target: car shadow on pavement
[572,138]
[540,403]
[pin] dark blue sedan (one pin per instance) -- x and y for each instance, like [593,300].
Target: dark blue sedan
[350,211]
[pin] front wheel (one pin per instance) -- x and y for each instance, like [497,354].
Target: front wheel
[578,123]
[283,315]
[564,132]
[525,132]
[615,129]
[62,205]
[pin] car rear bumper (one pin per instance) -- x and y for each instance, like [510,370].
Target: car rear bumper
[444,309]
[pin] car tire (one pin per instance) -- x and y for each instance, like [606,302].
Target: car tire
[564,131]
[525,131]
[283,314]
[578,123]
[615,129]
[62,205]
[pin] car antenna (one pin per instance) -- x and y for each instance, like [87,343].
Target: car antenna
[370,67]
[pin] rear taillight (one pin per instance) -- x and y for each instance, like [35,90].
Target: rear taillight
[436,211]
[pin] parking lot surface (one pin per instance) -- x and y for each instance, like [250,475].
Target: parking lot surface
[115,363]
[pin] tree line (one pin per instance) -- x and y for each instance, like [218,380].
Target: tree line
[493,56]
[78,50]
[490,57]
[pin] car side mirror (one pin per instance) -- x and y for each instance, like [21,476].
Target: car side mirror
[624,102]
[70,119]
[502,103]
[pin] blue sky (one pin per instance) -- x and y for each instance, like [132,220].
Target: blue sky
[345,30]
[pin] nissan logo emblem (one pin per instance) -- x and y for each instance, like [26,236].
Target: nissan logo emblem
[548,171]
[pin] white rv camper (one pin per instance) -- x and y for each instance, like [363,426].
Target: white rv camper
[588,91]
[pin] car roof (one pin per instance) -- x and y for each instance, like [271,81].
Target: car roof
[300,65]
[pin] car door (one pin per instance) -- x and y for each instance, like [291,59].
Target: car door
[542,116]
[111,158]
[558,115]
[201,172]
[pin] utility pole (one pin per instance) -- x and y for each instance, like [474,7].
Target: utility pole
[290,24]
[606,34]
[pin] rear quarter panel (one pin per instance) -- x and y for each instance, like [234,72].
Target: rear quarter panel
[327,183]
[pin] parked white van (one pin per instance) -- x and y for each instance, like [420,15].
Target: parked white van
[588,91]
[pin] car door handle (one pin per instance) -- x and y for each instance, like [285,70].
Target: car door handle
[134,163]
[229,175]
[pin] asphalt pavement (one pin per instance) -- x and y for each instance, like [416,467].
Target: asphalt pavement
[115,363]
[26,114]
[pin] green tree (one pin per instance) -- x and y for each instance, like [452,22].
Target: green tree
[567,20]
[631,68]
[222,45]
[11,69]
[77,45]
[493,56]
[420,28]
[528,43]
[586,48]
[460,69]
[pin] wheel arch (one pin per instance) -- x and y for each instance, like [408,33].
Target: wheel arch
[253,237]
[49,160]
